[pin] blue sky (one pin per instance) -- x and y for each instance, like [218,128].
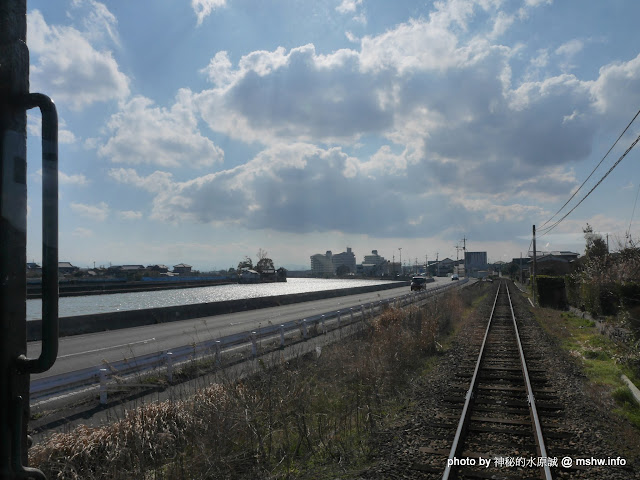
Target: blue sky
[201,131]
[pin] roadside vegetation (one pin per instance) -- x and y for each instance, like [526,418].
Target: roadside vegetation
[607,286]
[315,416]
[602,359]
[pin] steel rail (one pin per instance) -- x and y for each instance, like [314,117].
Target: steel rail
[466,410]
[542,451]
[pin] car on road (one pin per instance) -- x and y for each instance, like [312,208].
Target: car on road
[455,277]
[418,283]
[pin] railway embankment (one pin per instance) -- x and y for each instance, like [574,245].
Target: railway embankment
[81,324]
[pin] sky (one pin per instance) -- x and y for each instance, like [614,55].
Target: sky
[200,131]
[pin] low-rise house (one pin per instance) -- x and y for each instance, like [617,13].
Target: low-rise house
[182,268]
[249,276]
[34,269]
[158,268]
[65,268]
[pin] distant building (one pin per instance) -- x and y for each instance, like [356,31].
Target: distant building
[554,263]
[557,255]
[182,268]
[131,268]
[346,259]
[374,264]
[249,276]
[158,268]
[65,268]
[322,265]
[475,262]
[34,269]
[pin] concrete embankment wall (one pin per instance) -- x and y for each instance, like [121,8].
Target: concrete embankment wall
[100,322]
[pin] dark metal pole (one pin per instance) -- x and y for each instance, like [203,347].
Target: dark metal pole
[14,82]
[15,367]
[535,256]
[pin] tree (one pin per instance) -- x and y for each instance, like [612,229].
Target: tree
[595,246]
[264,264]
[245,264]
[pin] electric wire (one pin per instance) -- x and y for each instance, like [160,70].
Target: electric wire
[593,171]
[548,229]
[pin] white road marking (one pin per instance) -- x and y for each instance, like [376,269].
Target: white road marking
[107,348]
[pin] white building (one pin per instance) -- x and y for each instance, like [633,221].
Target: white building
[322,265]
[347,259]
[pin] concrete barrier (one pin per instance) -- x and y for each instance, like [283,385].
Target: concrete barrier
[101,322]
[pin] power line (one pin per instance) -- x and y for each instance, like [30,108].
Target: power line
[593,171]
[548,229]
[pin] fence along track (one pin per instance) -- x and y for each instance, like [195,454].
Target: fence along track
[492,378]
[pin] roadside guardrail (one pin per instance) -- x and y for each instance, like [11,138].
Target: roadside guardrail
[56,385]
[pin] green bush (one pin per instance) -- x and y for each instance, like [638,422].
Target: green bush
[572,287]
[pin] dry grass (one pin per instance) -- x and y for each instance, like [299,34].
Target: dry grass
[304,415]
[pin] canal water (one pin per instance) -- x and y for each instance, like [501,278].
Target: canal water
[115,302]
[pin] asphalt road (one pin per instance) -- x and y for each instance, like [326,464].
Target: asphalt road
[82,351]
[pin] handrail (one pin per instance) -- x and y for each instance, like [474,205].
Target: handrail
[49,350]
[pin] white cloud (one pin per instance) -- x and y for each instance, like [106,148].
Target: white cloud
[203,8]
[536,3]
[616,91]
[69,68]
[34,125]
[298,95]
[570,48]
[292,188]
[98,212]
[76,179]
[100,25]
[348,6]
[130,215]
[66,179]
[82,232]
[351,37]
[144,134]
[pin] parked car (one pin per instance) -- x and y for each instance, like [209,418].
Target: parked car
[455,277]
[418,283]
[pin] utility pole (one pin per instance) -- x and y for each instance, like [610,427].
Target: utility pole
[533,282]
[458,248]
[520,267]
[426,266]
[464,250]
[15,367]
[401,272]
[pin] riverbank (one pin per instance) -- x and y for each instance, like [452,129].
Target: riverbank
[81,324]
[75,288]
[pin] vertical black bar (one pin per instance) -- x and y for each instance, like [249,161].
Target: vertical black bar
[535,257]
[14,82]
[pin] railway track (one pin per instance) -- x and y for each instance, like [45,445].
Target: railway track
[500,417]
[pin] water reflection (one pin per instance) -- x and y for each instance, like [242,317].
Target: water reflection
[70,306]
